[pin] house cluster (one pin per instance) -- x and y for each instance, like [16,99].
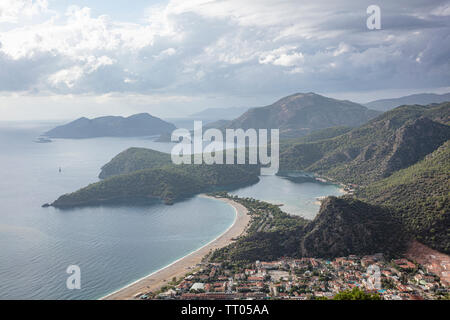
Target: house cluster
[307,278]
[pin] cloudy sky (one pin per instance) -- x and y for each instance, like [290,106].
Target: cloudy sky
[61,59]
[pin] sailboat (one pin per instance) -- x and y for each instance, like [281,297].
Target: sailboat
[42,140]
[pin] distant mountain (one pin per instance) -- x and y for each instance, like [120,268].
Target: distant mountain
[390,142]
[136,125]
[422,99]
[219,113]
[302,113]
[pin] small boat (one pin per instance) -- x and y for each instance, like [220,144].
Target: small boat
[42,140]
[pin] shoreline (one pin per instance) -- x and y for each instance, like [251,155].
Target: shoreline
[183,265]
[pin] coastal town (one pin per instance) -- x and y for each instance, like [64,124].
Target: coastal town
[210,274]
[306,279]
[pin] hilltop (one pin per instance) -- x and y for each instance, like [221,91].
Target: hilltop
[302,113]
[142,124]
[134,159]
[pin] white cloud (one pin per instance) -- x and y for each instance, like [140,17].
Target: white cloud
[67,76]
[286,56]
[79,34]
[12,11]
[343,48]
[70,76]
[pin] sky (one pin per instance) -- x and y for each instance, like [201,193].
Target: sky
[62,59]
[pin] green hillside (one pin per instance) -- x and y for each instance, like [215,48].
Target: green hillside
[343,226]
[392,141]
[168,183]
[134,159]
[347,226]
[419,195]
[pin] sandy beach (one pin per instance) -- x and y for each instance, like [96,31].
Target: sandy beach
[179,268]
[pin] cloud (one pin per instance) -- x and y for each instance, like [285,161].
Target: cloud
[443,10]
[212,47]
[12,11]
[285,56]
[73,74]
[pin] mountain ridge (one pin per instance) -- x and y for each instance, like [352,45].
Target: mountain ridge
[302,113]
[391,141]
[421,99]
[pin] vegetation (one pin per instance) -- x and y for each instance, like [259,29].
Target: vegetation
[271,234]
[347,226]
[404,192]
[356,294]
[419,196]
[399,162]
[390,142]
[321,134]
[168,183]
[343,226]
[134,159]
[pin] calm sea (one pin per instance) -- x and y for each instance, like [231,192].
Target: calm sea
[296,198]
[113,246]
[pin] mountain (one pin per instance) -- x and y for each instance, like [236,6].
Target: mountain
[402,159]
[139,175]
[419,195]
[390,142]
[302,113]
[219,113]
[422,99]
[412,203]
[347,226]
[342,227]
[136,125]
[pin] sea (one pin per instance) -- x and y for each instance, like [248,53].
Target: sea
[112,245]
